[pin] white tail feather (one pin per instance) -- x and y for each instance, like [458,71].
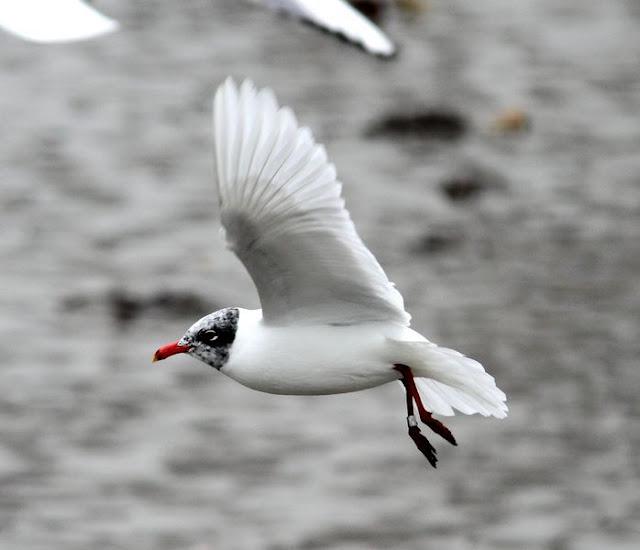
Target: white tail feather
[448,380]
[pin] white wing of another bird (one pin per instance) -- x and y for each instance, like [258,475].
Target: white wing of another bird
[339,17]
[285,219]
[53,20]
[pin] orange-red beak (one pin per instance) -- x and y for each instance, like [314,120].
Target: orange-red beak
[169,350]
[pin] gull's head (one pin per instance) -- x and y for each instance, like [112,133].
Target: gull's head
[209,339]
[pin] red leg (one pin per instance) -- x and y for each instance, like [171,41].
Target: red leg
[425,415]
[414,432]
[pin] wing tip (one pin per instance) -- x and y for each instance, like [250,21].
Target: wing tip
[246,85]
[89,23]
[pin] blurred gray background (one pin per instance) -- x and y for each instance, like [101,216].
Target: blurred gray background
[519,248]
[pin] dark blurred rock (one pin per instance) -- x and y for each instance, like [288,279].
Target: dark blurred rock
[413,7]
[431,124]
[438,240]
[372,9]
[180,302]
[462,188]
[125,306]
[470,183]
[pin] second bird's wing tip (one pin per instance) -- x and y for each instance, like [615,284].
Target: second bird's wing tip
[48,23]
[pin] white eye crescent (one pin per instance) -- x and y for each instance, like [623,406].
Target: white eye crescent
[208,336]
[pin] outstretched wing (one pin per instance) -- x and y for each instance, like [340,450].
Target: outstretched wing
[338,17]
[53,20]
[285,219]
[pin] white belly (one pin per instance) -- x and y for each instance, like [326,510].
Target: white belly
[310,360]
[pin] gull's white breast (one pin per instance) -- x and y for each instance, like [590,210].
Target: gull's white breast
[310,360]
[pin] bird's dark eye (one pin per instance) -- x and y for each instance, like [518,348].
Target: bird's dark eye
[208,336]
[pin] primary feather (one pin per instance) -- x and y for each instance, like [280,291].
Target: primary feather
[285,219]
[338,17]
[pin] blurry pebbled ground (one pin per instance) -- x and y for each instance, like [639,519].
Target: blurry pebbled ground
[528,261]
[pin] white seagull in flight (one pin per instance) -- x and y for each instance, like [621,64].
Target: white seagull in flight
[53,20]
[338,17]
[331,322]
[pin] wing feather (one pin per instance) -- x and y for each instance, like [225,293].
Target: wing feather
[53,20]
[338,17]
[285,219]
